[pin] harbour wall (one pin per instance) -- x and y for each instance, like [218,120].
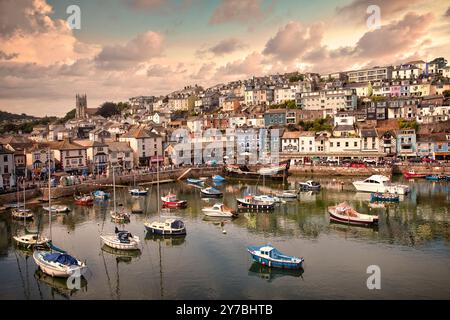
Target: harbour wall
[335,171]
[423,168]
[12,197]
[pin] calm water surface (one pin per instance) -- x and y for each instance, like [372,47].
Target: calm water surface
[411,246]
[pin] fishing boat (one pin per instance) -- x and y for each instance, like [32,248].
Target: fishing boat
[211,192]
[411,174]
[219,210]
[344,213]
[121,240]
[84,200]
[269,256]
[248,202]
[119,216]
[31,240]
[171,201]
[197,182]
[379,183]
[384,197]
[58,263]
[310,185]
[168,227]
[138,192]
[217,178]
[447,178]
[57,209]
[100,195]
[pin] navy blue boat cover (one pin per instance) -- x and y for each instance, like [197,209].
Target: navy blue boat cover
[177,224]
[62,258]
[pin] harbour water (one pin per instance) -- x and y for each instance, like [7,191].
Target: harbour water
[411,246]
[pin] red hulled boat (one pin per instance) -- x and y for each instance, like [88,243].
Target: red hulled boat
[411,174]
[343,213]
[85,200]
[171,201]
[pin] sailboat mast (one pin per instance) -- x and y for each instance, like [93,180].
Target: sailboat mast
[23,184]
[114,188]
[49,196]
[157,186]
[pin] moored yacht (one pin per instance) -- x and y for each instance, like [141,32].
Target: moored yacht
[379,183]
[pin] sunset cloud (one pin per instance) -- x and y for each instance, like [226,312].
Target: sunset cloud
[241,11]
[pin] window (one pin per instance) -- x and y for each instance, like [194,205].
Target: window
[338,144]
[80,161]
[5,158]
[6,169]
[346,143]
[79,152]
[355,144]
[331,144]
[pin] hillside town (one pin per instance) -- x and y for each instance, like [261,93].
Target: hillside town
[368,117]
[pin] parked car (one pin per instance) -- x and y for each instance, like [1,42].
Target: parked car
[428,160]
[415,160]
[358,165]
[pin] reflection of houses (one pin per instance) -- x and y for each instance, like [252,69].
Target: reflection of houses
[97,155]
[6,167]
[71,155]
[37,158]
[121,154]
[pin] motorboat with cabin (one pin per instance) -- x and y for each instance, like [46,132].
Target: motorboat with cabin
[380,183]
[249,202]
[171,201]
[84,200]
[219,210]
[170,226]
[310,185]
[211,192]
[269,256]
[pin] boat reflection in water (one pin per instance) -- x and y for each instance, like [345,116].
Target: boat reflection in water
[166,240]
[270,274]
[60,285]
[122,255]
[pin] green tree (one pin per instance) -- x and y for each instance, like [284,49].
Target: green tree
[446,93]
[108,109]
[405,124]
[441,62]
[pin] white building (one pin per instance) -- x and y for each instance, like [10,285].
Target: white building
[146,145]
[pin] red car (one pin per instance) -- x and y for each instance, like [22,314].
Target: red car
[358,165]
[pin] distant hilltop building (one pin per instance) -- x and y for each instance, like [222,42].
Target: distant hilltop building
[82,111]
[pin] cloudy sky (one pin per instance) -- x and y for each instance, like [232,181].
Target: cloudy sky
[151,47]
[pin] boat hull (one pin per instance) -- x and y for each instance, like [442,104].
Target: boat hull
[174,204]
[166,232]
[380,198]
[255,206]
[56,271]
[276,264]
[211,195]
[112,242]
[409,175]
[352,221]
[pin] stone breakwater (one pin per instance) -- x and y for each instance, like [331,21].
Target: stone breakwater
[423,169]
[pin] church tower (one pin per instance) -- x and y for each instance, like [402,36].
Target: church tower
[81,106]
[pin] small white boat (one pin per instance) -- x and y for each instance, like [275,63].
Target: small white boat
[138,192]
[121,240]
[31,240]
[120,216]
[22,213]
[344,213]
[57,209]
[310,185]
[219,210]
[379,183]
[267,198]
[287,194]
[59,264]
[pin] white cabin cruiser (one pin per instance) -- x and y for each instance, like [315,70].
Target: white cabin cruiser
[121,240]
[379,183]
[219,210]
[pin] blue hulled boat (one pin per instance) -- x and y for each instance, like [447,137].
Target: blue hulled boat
[384,197]
[100,195]
[432,178]
[218,178]
[269,256]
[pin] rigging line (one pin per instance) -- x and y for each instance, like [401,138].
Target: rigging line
[107,275]
[21,276]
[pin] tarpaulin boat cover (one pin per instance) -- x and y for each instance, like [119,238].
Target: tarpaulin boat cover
[124,236]
[62,258]
[177,224]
